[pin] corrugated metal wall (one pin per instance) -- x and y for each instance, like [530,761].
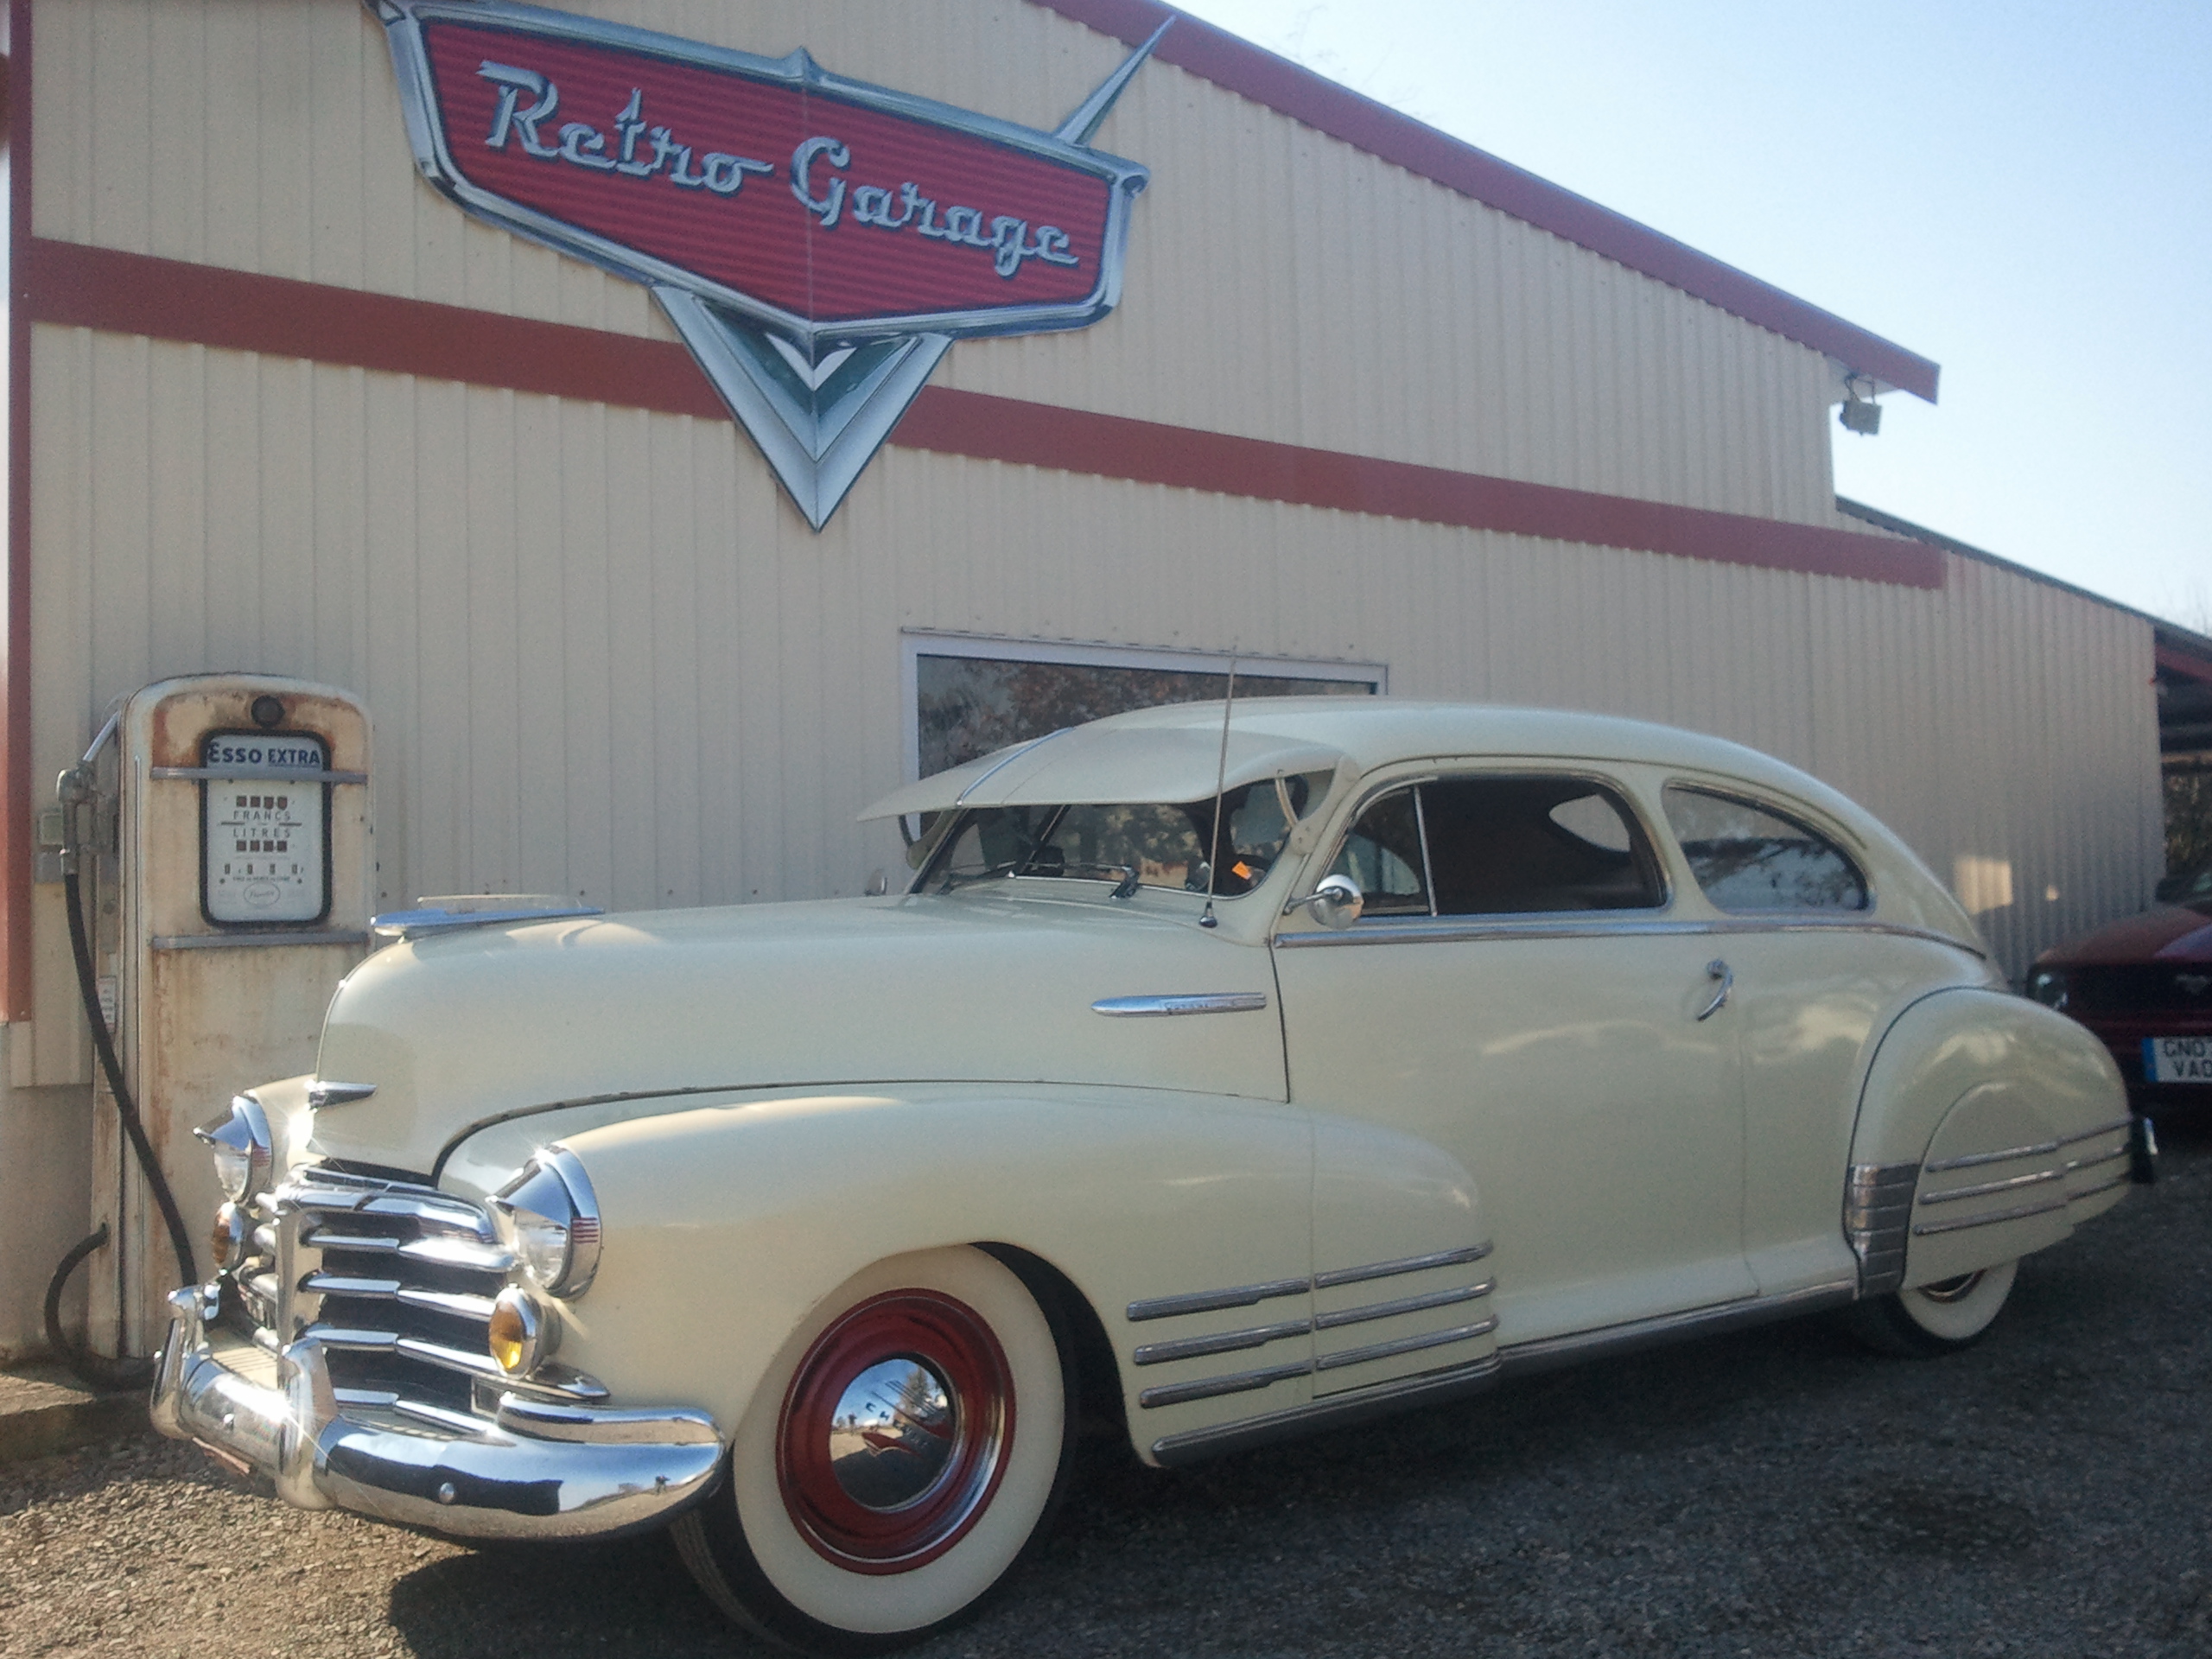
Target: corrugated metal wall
[604,657]
[1282,284]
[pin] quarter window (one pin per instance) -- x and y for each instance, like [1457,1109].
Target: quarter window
[1751,858]
[1500,846]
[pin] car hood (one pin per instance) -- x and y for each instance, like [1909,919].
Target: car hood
[2164,933]
[456,1031]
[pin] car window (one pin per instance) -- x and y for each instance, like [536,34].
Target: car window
[1500,846]
[1383,853]
[1750,858]
[1160,844]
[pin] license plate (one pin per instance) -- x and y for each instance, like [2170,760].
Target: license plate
[2178,1059]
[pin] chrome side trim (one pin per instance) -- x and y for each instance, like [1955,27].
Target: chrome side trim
[1175,1394]
[1210,1301]
[1983,1189]
[2039,1149]
[1406,1345]
[1403,1305]
[1258,1336]
[1877,1207]
[2117,1124]
[1976,1160]
[1226,1342]
[1547,1352]
[1128,1008]
[2075,1164]
[1588,925]
[1340,1410]
[1403,1264]
[2021,1212]
[2101,1186]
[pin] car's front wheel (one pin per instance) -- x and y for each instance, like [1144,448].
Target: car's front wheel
[900,1453]
[1936,1319]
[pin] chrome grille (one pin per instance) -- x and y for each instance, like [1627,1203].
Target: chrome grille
[396,1279]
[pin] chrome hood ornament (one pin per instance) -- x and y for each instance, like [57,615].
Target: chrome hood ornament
[818,243]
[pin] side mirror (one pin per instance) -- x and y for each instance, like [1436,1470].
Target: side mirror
[1337,902]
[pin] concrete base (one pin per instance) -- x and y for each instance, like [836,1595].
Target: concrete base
[45,1409]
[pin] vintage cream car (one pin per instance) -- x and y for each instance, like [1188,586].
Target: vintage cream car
[1220,1078]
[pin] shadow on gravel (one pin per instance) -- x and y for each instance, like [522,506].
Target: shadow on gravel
[548,1601]
[1778,1491]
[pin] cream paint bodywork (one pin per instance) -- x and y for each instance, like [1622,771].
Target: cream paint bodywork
[1968,1074]
[770,1099]
[726,1224]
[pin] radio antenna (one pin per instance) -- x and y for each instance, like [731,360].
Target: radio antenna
[1220,780]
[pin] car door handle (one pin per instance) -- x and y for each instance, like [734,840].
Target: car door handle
[1720,971]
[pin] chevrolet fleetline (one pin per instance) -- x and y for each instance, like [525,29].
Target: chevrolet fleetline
[1221,1077]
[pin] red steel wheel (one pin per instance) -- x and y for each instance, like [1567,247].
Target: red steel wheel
[895,1431]
[901,1450]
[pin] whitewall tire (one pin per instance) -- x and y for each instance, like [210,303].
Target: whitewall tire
[903,1449]
[1930,1321]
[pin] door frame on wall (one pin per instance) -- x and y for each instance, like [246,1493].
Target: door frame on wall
[914,643]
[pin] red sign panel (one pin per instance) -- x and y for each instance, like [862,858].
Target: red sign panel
[815,204]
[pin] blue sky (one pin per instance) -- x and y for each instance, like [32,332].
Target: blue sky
[2022,192]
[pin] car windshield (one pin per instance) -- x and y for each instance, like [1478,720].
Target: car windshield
[1127,845]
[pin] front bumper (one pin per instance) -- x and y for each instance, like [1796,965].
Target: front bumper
[532,1469]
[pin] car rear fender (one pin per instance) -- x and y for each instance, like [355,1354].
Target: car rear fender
[1988,1127]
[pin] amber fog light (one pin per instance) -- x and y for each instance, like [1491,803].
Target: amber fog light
[230,1237]
[520,1334]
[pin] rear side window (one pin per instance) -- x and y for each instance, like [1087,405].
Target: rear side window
[1751,858]
[1501,846]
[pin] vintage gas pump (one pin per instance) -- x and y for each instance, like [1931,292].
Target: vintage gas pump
[224,864]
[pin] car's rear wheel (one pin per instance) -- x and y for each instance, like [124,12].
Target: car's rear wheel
[1936,1319]
[902,1452]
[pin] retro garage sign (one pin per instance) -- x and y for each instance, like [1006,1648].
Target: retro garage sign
[818,242]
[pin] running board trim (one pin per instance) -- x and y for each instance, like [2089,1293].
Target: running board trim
[1546,1353]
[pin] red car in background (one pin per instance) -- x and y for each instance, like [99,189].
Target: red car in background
[2145,986]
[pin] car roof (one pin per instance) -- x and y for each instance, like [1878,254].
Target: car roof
[1175,753]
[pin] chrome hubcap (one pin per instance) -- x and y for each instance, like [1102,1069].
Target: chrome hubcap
[1952,1290]
[893,1433]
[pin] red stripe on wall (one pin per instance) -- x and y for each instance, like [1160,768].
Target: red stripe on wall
[1237,66]
[129,293]
[15,791]
[206,305]
[1112,445]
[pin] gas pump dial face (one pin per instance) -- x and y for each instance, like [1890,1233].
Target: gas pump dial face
[262,834]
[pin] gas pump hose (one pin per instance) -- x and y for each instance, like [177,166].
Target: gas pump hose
[98,1369]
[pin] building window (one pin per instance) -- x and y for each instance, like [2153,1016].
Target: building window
[967,697]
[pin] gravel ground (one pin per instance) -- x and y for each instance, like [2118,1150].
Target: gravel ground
[1778,1492]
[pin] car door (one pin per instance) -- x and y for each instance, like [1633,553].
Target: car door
[1518,994]
[1815,979]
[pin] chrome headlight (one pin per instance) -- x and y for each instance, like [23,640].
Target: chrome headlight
[242,1148]
[552,1217]
[2048,986]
